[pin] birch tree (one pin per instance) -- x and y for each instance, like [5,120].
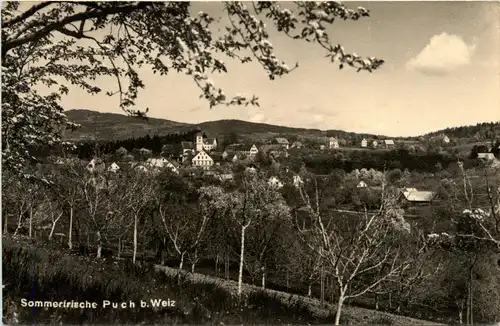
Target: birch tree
[135,191]
[256,200]
[96,195]
[65,184]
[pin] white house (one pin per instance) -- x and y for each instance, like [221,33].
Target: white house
[446,139]
[156,162]
[275,182]
[160,163]
[364,143]
[374,144]
[486,156]
[253,150]
[283,142]
[202,160]
[362,184]
[333,142]
[389,143]
[416,196]
[209,144]
[113,167]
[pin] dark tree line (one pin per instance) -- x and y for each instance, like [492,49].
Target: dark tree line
[487,130]
[396,159]
[88,148]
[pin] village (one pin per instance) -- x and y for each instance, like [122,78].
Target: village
[204,157]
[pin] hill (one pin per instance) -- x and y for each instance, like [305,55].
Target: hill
[116,126]
[485,130]
[112,126]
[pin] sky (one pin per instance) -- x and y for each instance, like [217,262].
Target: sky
[442,70]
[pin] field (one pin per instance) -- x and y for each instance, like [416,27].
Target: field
[200,299]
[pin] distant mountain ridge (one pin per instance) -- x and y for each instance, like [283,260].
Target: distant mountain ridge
[113,126]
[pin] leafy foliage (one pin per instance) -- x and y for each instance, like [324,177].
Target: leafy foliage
[54,44]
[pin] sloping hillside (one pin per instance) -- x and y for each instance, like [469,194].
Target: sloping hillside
[486,130]
[112,126]
[117,126]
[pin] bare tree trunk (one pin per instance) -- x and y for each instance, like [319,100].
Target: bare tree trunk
[194,261]
[181,264]
[70,230]
[217,264]
[309,290]
[5,230]
[99,244]
[31,222]
[54,226]
[227,263]
[376,301]
[134,256]
[263,277]
[242,253]
[340,302]
[119,247]
[19,221]
[471,296]
[162,251]
[460,316]
[322,285]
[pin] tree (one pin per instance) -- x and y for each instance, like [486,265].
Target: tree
[254,203]
[361,251]
[65,184]
[476,230]
[135,192]
[96,191]
[184,222]
[53,44]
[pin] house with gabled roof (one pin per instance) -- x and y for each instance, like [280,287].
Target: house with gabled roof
[282,141]
[253,151]
[202,160]
[161,163]
[486,156]
[364,143]
[113,167]
[209,144]
[414,196]
[187,146]
[389,143]
[333,143]
[297,144]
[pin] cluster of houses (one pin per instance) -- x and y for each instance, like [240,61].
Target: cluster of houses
[204,153]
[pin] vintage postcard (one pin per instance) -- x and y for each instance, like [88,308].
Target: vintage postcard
[250,162]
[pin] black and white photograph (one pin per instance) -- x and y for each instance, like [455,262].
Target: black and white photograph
[231,163]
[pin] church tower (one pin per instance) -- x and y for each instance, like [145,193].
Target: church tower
[199,141]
